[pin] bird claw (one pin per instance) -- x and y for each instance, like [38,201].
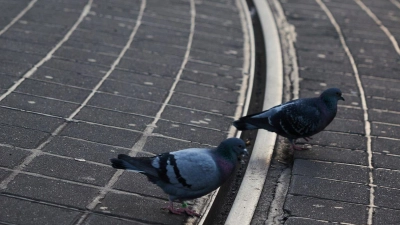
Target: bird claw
[297,148]
[307,138]
[179,211]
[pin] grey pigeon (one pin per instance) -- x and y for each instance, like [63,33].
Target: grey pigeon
[300,118]
[189,173]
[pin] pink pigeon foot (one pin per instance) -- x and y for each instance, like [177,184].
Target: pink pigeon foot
[307,138]
[178,211]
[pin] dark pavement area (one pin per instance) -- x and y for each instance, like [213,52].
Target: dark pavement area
[351,174]
[82,81]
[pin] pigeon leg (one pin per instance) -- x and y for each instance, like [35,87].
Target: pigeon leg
[307,138]
[184,209]
[294,146]
[189,211]
[172,210]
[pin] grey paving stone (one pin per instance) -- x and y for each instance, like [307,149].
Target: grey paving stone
[41,26]
[21,137]
[97,219]
[386,161]
[206,45]
[34,212]
[387,178]
[53,191]
[384,130]
[101,24]
[80,68]
[385,117]
[20,57]
[388,198]
[341,140]
[211,79]
[136,78]
[51,90]
[162,35]
[113,118]
[350,113]
[6,81]
[13,68]
[322,209]
[385,145]
[32,37]
[84,35]
[145,67]
[166,22]
[203,104]
[157,47]
[29,120]
[138,183]
[125,104]
[196,134]
[145,92]
[84,56]
[107,48]
[101,134]
[59,18]
[383,93]
[331,154]
[329,189]
[65,77]
[222,59]
[206,91]
[304,221]
[4,174]
[347,126]
[211,68]
[11,156]
[203,119]
[69,169]
[134,207]
[152,57]
[82,149]
[352,173]
[386,216]
[39,104]
[157,145]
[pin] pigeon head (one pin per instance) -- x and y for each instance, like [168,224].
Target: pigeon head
[332,95]
[232,147]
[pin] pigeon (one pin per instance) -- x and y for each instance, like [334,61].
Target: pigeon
[300,118]
[189,173]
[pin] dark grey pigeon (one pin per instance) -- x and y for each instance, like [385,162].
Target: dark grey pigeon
[189,173]
[300,118]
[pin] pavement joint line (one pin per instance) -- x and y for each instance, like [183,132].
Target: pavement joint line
[19,16]
[331,162]
[364,107]
[380,24]
[253,181]
[122,96]
[336,180]
[101,188]
[323,221]
[246,86]
[331,199]
[49,55]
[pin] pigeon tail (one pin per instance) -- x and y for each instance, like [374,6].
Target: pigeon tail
[241,124]
[121,164]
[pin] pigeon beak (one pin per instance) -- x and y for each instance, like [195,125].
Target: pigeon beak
[245,152]
[341,98]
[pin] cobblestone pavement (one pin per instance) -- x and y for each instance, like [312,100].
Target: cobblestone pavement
[351,175]
[82,81]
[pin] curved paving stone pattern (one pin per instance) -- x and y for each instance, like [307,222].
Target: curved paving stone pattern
[332,182]
[81,81]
